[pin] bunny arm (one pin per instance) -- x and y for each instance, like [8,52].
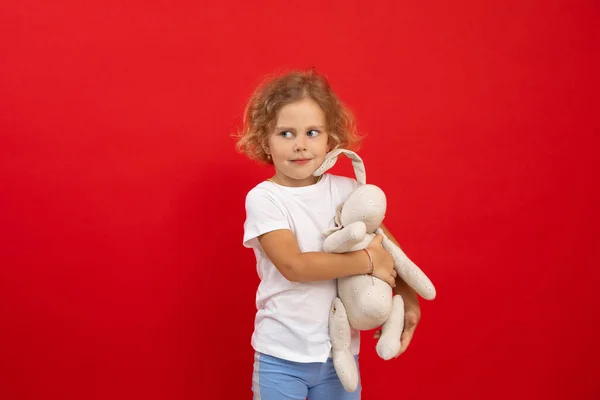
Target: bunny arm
[408,270]
[343,240]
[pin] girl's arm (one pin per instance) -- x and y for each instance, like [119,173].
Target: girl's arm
[282,249]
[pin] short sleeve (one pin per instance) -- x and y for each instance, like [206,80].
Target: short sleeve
[263,215]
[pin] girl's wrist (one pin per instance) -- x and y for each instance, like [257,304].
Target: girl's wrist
[371,265]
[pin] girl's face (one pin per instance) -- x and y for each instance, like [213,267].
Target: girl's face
[299,143]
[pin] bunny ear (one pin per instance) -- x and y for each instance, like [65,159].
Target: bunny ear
[357,163]
[330,160]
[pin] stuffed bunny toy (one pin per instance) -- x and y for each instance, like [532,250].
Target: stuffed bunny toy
[365,302]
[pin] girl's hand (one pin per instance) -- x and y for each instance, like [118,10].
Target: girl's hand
[411,320]
[383,263]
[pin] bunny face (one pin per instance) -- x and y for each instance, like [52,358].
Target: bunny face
[367,204]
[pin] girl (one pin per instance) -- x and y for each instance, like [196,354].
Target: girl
[291,122]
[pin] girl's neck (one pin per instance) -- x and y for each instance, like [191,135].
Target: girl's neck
[285,181]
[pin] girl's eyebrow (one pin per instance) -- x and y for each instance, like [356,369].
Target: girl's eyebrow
[285,128]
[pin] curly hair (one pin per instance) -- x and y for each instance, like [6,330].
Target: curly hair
[269,97]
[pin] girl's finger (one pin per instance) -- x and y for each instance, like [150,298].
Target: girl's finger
[404,342]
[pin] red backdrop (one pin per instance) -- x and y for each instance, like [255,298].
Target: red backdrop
[122,274]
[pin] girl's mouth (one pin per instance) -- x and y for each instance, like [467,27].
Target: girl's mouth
[301,161]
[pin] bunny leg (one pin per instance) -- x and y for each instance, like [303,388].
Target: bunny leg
[388,345]
[339,333]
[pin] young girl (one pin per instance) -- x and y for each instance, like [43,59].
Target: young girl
[291,122]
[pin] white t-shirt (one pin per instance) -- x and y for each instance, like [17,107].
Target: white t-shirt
[292,317]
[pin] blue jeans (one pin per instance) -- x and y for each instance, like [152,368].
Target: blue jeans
[277,379]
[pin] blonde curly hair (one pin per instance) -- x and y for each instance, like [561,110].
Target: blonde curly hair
[261,111]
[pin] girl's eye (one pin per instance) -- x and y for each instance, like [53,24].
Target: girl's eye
[286,134]
[313,133]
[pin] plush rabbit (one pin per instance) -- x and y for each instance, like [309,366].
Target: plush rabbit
[365,302]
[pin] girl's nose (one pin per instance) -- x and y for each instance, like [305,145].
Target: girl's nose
[300,143]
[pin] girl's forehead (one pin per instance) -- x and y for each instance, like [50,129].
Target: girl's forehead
[301,111]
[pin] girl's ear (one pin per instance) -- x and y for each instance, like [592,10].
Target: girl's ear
[267,152]
[265,146]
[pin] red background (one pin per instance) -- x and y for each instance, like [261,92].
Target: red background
[122,274]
